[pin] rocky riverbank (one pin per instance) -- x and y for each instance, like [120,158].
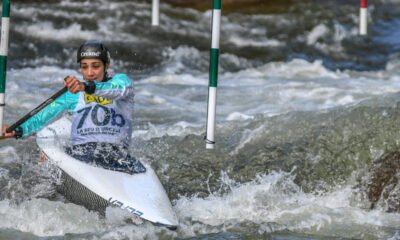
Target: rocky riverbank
[384,183]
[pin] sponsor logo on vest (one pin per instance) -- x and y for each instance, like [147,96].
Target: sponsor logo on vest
[100,100]
[90,54]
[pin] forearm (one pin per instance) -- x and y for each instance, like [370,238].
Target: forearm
[67,101]
[120,86]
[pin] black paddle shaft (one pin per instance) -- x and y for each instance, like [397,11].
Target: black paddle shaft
[36,110]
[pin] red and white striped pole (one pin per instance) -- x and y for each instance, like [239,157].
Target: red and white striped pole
[363,17]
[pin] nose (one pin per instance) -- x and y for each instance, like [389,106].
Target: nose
[90,70]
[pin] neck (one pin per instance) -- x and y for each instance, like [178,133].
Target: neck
[105,77]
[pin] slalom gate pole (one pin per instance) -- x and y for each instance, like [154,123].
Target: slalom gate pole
[363,17]
[5,27]
[155,13]
[213,77]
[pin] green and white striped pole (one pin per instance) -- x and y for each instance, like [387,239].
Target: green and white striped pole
[155,13]
[5,26]
[213,77]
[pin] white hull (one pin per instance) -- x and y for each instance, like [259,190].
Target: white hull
[142,194]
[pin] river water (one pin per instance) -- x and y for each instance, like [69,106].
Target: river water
[304,107]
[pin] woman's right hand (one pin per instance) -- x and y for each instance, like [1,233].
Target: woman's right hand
[73,84]
[6,134]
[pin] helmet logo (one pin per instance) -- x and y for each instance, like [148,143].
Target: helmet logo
[93,49]
[90,54]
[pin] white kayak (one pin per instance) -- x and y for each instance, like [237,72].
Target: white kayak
[141,194]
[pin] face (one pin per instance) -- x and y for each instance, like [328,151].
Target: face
[93,69]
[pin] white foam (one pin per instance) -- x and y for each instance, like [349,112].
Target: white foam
[274,198]
[8,155]
[181,128]
[316,33]
[180,79]
[246,42]
[238,116]
[53,218]
[46,30]
[23,82]
[46,218]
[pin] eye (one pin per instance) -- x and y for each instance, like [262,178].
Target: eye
[96,66]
